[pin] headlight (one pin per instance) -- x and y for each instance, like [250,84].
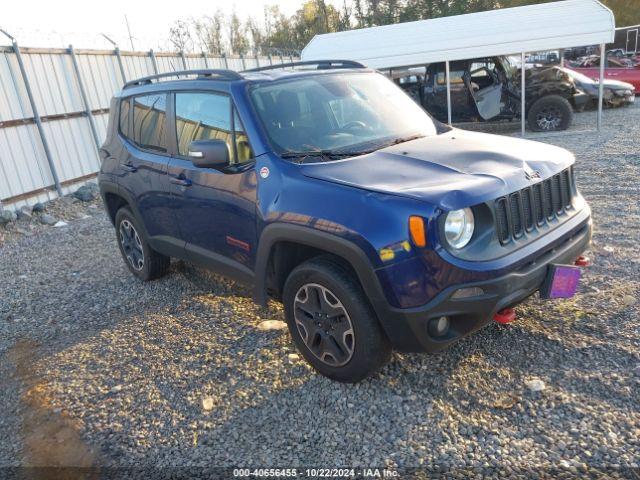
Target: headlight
[458,227]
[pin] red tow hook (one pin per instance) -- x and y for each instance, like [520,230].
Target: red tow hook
[582,261]
[504,316]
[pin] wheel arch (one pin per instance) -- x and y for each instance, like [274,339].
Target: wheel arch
[115,198]
[307,243]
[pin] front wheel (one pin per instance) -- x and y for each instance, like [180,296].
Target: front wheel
[332,323]
[550,113]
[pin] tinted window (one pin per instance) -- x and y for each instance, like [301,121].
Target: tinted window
[125,107]
[149,115]
[202,116]
[243,149]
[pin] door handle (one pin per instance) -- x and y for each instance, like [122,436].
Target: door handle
[183,182]
[127,167]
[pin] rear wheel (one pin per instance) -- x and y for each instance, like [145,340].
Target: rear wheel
[144,262]
[550,113]
[332,323]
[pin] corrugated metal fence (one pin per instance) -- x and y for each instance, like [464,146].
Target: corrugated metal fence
[57,144]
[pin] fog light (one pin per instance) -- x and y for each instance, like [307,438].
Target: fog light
[468,292]
[438,326]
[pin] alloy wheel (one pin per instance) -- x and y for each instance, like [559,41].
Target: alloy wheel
[549,118]
[131,245]
[324,324]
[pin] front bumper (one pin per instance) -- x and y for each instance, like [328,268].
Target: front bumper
[410,333]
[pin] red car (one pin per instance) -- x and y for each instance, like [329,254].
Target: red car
[614,70]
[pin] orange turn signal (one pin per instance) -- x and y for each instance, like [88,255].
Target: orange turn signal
[418,233]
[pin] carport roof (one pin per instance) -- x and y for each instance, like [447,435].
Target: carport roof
[546,26]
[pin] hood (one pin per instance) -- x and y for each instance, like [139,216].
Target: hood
[592,86]
[616,85]
[453,170]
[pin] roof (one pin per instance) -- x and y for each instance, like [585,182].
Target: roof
[530,28]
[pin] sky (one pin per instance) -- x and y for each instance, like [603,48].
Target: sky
[57,23]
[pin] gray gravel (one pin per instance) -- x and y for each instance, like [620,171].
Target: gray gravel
[99,369]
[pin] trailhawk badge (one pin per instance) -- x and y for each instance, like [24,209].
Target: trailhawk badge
[264,172]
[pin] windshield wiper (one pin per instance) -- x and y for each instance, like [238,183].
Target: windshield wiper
[321,154]
[336,154]
[398,140]
[377,146]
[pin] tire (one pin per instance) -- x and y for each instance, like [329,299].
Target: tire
[347,344]
[144,262]
[549,114]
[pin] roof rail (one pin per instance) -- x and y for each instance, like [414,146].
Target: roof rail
[321,65]
[212,74]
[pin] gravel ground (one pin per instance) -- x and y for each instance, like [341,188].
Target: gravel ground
[99,369]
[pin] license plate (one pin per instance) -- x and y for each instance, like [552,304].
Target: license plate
[561,282]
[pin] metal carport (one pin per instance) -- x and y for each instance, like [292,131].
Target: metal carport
[531,28]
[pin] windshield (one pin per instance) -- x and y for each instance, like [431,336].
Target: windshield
[351,113]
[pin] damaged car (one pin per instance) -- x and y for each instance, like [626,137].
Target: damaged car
[324,187]
[614,94]
[489,89]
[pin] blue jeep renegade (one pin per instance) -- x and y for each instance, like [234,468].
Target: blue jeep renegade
[325,187]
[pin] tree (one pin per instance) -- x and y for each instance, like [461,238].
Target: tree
[208,30]
[180,36]
[238,42]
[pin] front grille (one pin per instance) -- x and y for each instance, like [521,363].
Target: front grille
[534,206]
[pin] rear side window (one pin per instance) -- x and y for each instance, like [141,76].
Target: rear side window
[149,118]
[125,107]
[202,116]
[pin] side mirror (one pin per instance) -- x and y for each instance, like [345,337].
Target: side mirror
[209,153]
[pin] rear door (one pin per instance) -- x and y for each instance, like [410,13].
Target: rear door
[214,209]
[143,166]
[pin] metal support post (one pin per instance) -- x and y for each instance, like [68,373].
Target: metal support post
[36,115]
[154,62]
[120,64]
[116,51]
[446,68]
[522,94]
[603,59]
[83,95]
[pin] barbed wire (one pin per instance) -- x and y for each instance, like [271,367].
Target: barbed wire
[93,40]
[55,39]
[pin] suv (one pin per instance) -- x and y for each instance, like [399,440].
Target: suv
[489,89]
[327,188]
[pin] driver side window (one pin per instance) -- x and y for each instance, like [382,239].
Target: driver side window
[207,116]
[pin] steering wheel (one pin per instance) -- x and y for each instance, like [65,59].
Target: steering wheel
[353,125]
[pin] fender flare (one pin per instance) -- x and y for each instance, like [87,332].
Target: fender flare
[350,252]
[107,186]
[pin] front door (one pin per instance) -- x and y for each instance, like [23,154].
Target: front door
[215,209]
[485,89]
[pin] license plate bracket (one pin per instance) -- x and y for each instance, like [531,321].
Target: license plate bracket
[561,281]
